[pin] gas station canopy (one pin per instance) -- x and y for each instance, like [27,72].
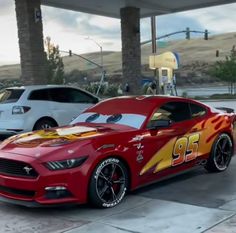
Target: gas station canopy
[111,8]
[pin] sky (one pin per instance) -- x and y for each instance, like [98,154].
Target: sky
[69,29]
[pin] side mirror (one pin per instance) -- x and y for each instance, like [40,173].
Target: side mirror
[156,124]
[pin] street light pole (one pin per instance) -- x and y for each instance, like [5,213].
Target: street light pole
[154,51]
[101,51]
[101,57]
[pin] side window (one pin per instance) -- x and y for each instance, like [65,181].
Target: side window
[39,95]
[71,95]
[173,111]
[77,96]
[197,110]
[178,111]
[10,95]
[59,95]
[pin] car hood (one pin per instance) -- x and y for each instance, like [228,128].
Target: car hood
[46,141]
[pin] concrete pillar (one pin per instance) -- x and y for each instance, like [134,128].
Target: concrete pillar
[30,34]
[131,50]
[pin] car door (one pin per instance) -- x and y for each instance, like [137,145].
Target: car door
[69,103]
[200,115]
[170,145]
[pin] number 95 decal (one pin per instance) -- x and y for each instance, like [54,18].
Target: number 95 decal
[185,149]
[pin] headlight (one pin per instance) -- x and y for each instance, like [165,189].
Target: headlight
[65,164]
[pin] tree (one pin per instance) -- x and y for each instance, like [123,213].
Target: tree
[55,64]
[76,76]
[226,70]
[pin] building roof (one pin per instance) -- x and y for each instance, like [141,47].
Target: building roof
[111,8]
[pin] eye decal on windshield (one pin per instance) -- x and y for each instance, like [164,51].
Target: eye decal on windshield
[92,117]
[114,118]
[102,118]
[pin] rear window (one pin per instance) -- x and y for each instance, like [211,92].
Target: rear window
[197,110]
[10,95]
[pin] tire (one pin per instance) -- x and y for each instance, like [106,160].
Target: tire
[44,124]
[108,183]
[221,154]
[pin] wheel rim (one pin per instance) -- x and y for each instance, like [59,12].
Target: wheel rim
[223,152]
[111,183]
[45,126]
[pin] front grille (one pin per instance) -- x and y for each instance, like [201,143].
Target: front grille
[17,168]
[19,192]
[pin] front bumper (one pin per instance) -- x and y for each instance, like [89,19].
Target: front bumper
[39,191]
[30,204]
[22,203]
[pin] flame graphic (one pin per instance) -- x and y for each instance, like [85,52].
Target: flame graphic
[162,158]
[208,130]
[34,139]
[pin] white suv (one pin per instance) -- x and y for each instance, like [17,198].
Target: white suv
[36,107]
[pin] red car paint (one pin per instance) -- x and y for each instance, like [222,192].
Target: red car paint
[147,153]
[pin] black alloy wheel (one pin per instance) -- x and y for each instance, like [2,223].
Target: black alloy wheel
[44,124]
[221,154]
[109,183]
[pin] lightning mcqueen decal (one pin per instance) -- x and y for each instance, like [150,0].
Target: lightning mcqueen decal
[118,144]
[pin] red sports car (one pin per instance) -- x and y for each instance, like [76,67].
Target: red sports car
[117,145]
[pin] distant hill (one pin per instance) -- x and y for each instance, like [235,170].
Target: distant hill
[196,55]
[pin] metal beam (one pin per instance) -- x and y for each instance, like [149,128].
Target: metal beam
[148,5]
[148,8]
[203,5]
[67,5]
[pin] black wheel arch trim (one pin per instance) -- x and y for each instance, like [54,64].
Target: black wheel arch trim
[47,118]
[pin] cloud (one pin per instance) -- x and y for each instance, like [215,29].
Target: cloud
[107,30]
[68,29]
[169,23]
[6,7]
[9,49]
[65,18]
[74,27]
[217,19]
[85,24]
[105,22]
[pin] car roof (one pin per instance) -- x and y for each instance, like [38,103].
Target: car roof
[29,88]
[150,98]
[135,104]
[35,87]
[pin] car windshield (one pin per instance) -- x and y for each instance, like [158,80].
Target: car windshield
[10,95]
[123,119]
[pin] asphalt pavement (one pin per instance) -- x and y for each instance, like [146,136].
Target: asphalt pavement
[222,103]
[193,202]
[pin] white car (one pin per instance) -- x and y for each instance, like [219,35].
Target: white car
[28,108]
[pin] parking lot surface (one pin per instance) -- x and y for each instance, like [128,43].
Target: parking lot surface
[193,202]
[220,103]
[196,201]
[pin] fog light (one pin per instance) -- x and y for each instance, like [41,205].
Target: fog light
[57,192]
[55,188]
